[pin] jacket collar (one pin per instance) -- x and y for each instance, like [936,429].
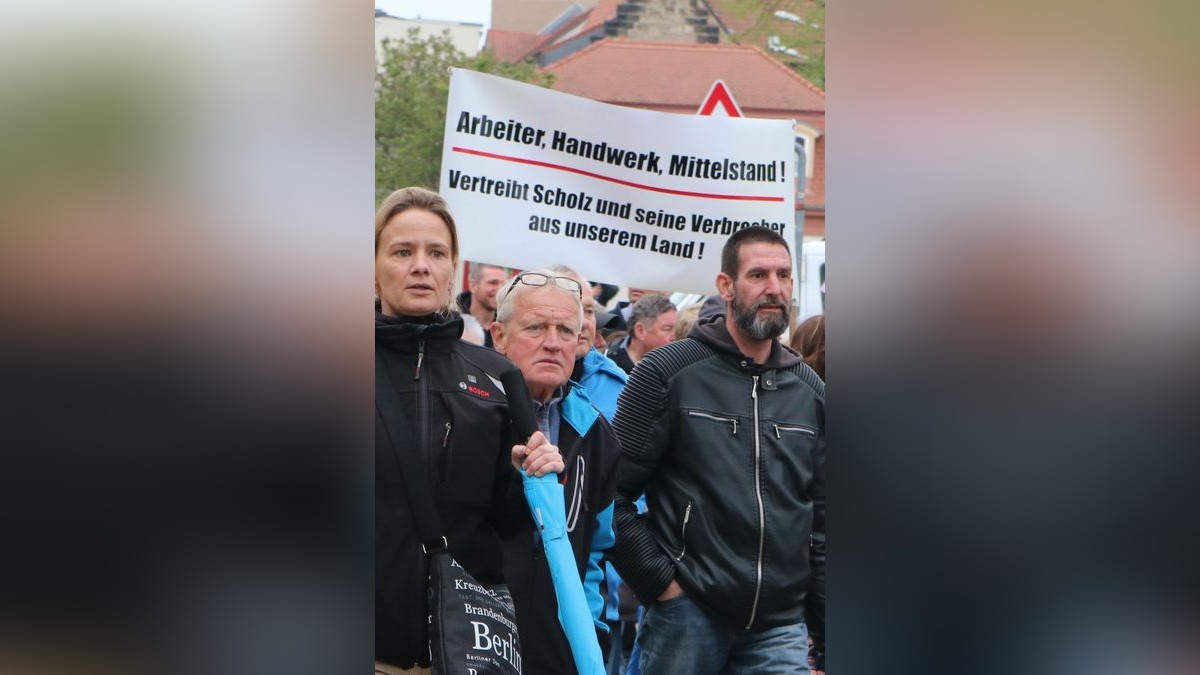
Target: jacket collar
[404,332]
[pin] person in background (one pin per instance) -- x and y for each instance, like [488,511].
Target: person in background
[599,375]
[624,308]
[603,292]
[686,319]
[613,336]
[808,340]
[652,325]
[724,432]
[605,321]
[478,496]
[538,326]
[479,300]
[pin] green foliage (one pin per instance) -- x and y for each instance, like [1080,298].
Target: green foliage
[813,69]
[808,39]
[411,86]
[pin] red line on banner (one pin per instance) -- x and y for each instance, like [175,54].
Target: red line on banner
[548,165]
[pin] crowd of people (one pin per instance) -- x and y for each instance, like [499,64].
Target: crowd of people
[689,442]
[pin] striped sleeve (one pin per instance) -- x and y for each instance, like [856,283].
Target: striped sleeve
[642,426]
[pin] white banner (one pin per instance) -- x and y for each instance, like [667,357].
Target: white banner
[625,196]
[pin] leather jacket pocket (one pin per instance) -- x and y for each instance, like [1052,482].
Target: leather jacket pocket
[781,429]
[723,419]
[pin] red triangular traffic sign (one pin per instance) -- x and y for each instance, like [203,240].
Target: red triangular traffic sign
[719,94]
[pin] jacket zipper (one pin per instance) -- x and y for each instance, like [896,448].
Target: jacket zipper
[687,514]
[758,494]
[576,498]
[424,449]
[446,439]
[790,427]
[420,359]
[715,418]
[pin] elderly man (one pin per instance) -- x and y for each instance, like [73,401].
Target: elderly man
[538,326]
[651,325]
[724,431]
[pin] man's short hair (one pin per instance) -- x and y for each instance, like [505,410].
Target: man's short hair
[514,288]
[749,235]
[564,271]
[648,308]
[476,270]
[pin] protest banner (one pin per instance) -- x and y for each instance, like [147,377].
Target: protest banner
[628,196]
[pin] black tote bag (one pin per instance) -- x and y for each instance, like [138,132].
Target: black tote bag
[472,627]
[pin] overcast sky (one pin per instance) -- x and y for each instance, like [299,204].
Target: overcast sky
[473,11]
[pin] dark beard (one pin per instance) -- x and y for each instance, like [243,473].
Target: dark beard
[761,327]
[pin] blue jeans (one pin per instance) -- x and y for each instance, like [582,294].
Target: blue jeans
[635,656]
[679,638]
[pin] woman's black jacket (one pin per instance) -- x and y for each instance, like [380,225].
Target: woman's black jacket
[455,414]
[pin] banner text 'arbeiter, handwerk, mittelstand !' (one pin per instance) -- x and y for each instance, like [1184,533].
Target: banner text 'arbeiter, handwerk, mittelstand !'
[636,197]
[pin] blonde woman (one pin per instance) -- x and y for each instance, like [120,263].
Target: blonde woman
[452,413]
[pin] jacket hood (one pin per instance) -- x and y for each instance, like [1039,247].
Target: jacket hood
[712,332]
[463,301]
[595,362]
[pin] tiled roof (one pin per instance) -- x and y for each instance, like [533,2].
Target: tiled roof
[673,76]
[512,47]
[618,71]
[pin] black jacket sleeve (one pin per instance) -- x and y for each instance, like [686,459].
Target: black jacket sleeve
[642,427]
[510,511]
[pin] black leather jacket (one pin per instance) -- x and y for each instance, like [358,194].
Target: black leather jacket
[457,417]
[731,457]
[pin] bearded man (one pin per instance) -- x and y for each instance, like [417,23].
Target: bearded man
[724,432]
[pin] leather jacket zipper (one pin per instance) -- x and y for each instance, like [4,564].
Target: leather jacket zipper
[715,418]
[790,428]
[758,495]
[687,514]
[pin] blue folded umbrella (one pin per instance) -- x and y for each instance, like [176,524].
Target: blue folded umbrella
[545,497]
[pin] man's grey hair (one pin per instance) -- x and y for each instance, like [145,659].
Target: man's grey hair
[564,271]
[513,289]
[476,270]
[648,308]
